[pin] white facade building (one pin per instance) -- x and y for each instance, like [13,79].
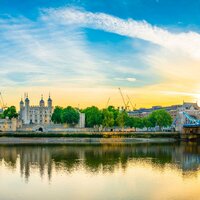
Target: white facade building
[40,114]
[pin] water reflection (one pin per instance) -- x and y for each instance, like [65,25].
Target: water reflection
[99,158]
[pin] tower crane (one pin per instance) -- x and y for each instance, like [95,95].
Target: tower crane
[107,102]
[4,106]
[133,107]
[125,105]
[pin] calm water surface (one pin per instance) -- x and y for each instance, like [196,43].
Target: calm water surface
[100,172]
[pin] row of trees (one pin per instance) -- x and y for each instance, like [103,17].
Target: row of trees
[160,118]
[113,117]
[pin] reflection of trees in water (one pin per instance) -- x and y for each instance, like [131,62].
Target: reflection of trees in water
[97,158]
[67,159]
[103,159]
[9,156]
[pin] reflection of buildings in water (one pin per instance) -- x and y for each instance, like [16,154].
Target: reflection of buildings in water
[28,157]
[187,156]
[37,156]
[104,158]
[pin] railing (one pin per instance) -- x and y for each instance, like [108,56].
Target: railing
[190,121]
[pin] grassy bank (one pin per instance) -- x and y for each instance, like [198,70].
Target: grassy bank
[94,135]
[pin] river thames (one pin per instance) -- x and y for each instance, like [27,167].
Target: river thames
[96,172]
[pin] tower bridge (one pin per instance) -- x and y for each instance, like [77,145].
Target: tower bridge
[188,124]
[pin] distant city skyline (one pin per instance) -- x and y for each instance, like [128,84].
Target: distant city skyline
[82,51]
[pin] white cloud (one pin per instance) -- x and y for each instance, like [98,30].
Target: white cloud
[187,42]
[129,79]
[61,54]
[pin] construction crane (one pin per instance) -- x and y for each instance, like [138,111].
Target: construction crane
[125,105]
[4,106]
[133,107]
[107,102]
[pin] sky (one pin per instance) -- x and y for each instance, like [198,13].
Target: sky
[82,51]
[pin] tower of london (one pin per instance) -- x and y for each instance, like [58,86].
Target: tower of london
[39,114]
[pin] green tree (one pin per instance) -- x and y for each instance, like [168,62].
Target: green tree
[70,116]
[147,122]
[108,118]
[130,122]
[138,122]
[56,116]
[152,119]
[10,112]
[115,113]
[122,119]
[93,116]
[161,118]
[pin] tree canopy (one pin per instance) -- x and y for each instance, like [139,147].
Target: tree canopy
[70,116]
[10,112]
[122,119]
[56,116]
[67,115]
[160,118]
[93,116]
[115,113]
[108,118]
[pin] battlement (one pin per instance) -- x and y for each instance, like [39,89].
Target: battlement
[39,107]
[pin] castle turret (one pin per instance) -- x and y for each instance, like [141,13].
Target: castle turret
[42,102]
[27,101]
[21,104]
[49,102]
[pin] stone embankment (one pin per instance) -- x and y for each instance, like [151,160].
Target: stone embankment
[86,138]
[53,140]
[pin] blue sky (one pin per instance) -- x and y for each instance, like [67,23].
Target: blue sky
[81,45]
[182,13]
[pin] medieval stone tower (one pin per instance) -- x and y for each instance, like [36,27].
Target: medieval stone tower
[40,114]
